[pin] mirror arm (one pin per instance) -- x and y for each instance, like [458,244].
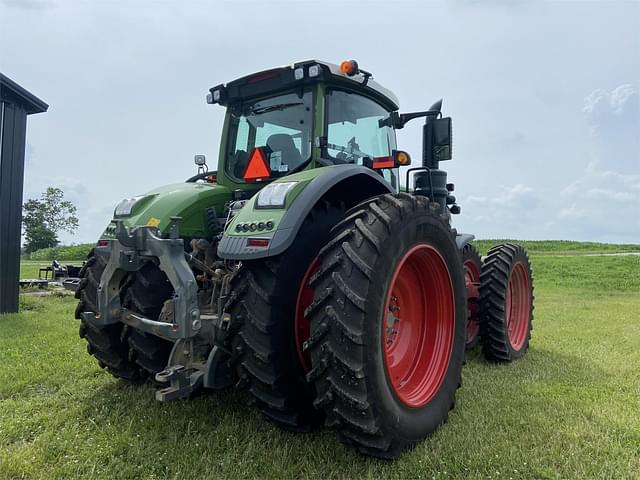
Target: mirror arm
[400,119]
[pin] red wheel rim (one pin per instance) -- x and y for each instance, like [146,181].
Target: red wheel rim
[302,326]
[471,280]
[419,325]
[518,306]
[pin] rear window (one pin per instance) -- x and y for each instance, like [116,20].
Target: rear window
[281,125]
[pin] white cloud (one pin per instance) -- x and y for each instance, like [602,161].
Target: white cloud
[602,204]
[620,107]
[614,118]
[507,214]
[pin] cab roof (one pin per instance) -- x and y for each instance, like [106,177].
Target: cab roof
[298,74]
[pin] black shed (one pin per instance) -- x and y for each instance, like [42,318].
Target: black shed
[15,104]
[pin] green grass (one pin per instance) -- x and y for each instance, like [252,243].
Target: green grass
[569,409]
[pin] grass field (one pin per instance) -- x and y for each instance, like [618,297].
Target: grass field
[569,409]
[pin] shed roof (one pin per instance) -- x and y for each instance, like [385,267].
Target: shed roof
[11,92]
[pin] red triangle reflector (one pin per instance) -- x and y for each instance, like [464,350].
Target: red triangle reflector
[257,168]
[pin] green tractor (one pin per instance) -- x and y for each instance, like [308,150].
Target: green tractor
[303,271]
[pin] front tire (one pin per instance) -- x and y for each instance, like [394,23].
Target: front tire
[125,352]
[145,292]
[108,343]
[388,324]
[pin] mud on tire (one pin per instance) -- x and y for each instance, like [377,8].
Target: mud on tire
[352,323]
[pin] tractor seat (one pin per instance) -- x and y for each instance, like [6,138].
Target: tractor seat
[281,142]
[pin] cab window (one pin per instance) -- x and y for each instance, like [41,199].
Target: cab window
[353,128]
[281,125]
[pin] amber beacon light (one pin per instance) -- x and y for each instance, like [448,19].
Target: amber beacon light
[349,67]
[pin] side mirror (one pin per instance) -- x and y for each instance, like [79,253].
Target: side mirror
[436,142]
[442,139]
[200,160]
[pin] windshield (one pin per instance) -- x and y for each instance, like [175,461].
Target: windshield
[280,125]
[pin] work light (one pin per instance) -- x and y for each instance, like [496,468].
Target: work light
[125,207]
[274,195]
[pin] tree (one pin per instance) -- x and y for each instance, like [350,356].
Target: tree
[44,218]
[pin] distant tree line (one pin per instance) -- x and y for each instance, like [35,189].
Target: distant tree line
[61,253]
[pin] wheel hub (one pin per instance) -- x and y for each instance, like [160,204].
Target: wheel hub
[418,325]
[393,321]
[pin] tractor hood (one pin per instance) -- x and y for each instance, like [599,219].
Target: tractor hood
[190,201]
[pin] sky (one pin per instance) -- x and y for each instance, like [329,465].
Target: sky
[544,96]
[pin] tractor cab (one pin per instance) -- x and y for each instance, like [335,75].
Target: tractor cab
[310,114]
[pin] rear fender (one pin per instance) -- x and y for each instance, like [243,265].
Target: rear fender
[347,184]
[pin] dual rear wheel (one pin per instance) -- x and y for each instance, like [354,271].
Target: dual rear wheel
[377,328]
[388,324]
[376,334]
[364,321]
[500,301]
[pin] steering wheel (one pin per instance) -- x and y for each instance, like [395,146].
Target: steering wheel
[347,155]
[203,176]
[342,159]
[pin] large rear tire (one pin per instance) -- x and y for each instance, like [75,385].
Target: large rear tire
[506,303]
[268,295]
[388,324]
